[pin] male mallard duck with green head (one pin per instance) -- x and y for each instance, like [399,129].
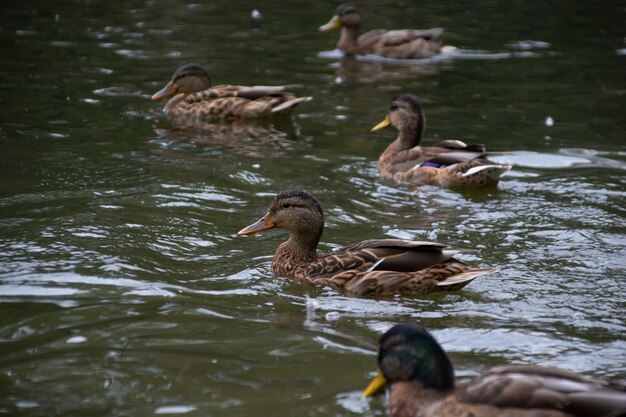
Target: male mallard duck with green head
[376,266]
[421,381]
[448,163]
[194,97]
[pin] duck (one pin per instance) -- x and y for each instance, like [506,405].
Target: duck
[397,44]
[448,163]
[370,267]
[193,97]
[420,378]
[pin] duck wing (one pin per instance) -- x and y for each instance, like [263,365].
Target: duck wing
[398,37]
[403,43]
[367,40]
[254,92]
[454,144]
[446,158]
[409,159]
[375,254]
[388,266]
[529,386]
[240,101]
[259,91]
[398,254]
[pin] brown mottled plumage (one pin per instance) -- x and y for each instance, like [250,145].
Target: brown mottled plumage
[420,377]
[399,44]
[377,266]
[448,163]
[195,98]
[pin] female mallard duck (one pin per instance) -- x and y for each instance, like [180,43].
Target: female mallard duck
[194,97]
[400,44]
[377,266]
[421,381]
[448,163]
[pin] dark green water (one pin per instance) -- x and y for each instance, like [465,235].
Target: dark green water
[123,288]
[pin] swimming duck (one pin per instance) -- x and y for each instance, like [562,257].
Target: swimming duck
[194,97]
[448,163]
[420,377]
[399,44]
[377,266]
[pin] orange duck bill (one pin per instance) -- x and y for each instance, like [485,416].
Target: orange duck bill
[168,90]
[264,223]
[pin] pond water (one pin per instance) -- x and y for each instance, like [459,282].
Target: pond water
[124,289]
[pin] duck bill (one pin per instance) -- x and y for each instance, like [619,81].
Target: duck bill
[334,23]
[262,224]
[166,91]
[386,122]
[377,384]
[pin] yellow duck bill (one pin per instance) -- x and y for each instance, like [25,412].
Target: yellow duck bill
[386,122]
[334,23]
[377,384]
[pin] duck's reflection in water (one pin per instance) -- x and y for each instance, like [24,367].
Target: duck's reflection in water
[257,139]
[362,70]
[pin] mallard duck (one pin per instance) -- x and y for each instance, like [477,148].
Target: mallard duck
[377,266]
[420,377]
[399,44]
[194,97]
[448,163]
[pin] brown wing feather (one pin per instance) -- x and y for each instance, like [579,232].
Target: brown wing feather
[393,162]
[388,266]
[250,92]
[422,281]
[402,44]
[233,101]
[258,91]
[367,40]
[451,157]
[405,160]
[402,36]
[334,263]
[391,243]
[527,386]
[459,145]
[379,266]
[392,255]
[397,255]
[406,166]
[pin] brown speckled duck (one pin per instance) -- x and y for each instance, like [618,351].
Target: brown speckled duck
[399,44]
[194,97]
[377,266]
[448,163]
[420,377]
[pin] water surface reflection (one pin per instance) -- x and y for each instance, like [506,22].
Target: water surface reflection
[124,290]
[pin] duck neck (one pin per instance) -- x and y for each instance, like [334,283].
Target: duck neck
[411,133]
[432,380]
[410,398]
[304,245]
[300,249]
[349,40]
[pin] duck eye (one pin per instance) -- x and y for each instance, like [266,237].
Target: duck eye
[286,205]
[393,107]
